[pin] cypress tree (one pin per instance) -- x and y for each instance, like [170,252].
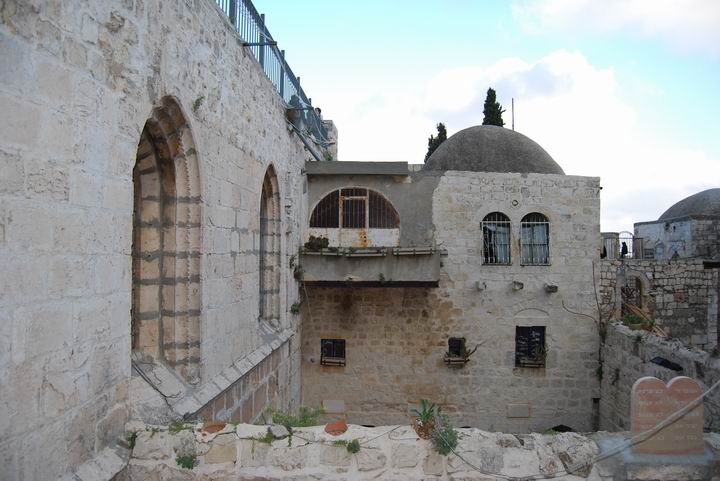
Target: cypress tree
[434,142]
[493,110]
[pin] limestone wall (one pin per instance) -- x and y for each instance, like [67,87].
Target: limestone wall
[386,452]
[396,338]
[79,82]
[627,356]
[688,237]
[681,295]
[396,453]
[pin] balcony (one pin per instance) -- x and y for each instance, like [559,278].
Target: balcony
[371,267]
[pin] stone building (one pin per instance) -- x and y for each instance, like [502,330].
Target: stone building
[490,245]
[150,186]
[688,229]
[671,271]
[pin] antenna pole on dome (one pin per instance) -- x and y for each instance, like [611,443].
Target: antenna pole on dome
[512,109]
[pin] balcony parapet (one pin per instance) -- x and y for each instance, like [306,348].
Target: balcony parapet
[372,266]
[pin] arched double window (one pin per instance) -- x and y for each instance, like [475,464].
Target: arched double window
[354,208]
[534,240]
[496,238]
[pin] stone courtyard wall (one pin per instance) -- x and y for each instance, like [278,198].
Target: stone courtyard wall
[79,80]
[396,338]
[681,295]
[392,453]
[627,356]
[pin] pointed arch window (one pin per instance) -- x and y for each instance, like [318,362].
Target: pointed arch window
[535,240]
[496,238]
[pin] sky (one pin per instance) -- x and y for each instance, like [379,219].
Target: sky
[626,90]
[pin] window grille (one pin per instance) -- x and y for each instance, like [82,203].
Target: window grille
[530,350]
[456,346]
[327,211]
[496,238]
[535,240]
[354,208]
[332,352]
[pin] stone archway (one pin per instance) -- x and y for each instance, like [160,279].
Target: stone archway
[269,252]
[166,291]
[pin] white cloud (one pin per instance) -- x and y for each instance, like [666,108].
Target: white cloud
[686,24]
[564,103]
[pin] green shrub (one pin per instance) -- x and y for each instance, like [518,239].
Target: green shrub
[187,461]
[444,437]
[427,411]
[353,447]
[304,417]
[178,426]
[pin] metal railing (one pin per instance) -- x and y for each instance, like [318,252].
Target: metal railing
[251,27]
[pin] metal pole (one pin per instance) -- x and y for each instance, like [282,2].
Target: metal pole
[513,113]
[233,13]
[282,74]
[263,39]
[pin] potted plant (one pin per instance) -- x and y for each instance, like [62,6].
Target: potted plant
[424,423]
[460,357]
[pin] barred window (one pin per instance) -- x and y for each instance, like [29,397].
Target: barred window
[530,350]
[332,352]
[327,211]
[496,238]
[535,240]
[354,208]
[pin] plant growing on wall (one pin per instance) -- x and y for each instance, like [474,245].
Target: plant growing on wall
[304,417]
[317,243]
[444,438]
[187,461]
[424,423]
[459,359]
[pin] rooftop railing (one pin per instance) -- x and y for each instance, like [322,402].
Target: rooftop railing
[251,27]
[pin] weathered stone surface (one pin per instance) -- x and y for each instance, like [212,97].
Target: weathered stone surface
[405,456]
[434,464]
[75,94]
[253,453]
[278,432]
[369,459]
[334,456]
[152,445]
[222,450]
[288,458]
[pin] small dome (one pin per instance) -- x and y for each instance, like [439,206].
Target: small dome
[706,202]
[487,148]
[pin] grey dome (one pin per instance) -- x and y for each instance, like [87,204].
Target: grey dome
[706,202]
[487,148]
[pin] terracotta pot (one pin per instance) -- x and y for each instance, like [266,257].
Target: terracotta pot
[424,430]
[336,428]
[213,426]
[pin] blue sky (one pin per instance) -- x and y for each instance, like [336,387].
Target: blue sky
[627,90]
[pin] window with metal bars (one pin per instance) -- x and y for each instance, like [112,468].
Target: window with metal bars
[534,240]
[456,346]
[530,350]
[354,208]
[496,238]
[332,352]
